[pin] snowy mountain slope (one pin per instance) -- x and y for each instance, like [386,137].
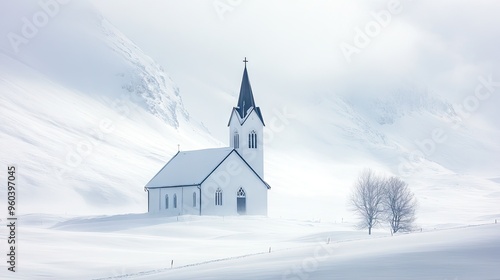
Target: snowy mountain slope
[397,125]
[91,118]
[84,111]
[421,121]
[344,135]
[80,49]
[76,154]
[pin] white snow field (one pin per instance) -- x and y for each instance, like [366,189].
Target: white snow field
[142,246]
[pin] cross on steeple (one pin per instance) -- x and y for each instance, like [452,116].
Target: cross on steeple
[245,60]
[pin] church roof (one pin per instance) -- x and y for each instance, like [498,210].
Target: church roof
[191,168]
[246,100]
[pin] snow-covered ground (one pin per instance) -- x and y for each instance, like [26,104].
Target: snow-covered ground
[141,246]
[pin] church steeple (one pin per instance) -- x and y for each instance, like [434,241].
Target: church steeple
[246,100]
[246,127]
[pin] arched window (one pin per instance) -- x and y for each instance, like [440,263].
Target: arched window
[175,200]
[194,199]
[236,140]
[252,140]
[241,201]
[166,201]
[218,197]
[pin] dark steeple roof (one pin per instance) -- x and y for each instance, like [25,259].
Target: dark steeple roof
[246,101]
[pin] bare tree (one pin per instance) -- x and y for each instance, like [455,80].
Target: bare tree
[399,205]
[367,199]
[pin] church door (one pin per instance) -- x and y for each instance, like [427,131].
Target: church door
[241,202]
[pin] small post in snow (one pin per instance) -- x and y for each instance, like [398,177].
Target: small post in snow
[171,264]
[328,240]
[269,249]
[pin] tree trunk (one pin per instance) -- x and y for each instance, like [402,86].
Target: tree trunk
[370,231]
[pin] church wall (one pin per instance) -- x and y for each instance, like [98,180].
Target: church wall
[171,192]
[187,200]
[153,201]
[232,174]
[157,201]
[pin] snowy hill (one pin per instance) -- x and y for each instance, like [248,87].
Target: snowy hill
[68,145]
[143,246]
[80,49]
[89,119]
[452,175]
[72,99]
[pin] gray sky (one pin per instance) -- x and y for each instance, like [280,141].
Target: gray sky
[295,48]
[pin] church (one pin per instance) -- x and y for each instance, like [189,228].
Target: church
[220,181]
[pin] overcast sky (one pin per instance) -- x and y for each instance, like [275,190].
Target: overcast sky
[297,49]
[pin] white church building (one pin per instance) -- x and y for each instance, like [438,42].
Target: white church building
[220,181]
